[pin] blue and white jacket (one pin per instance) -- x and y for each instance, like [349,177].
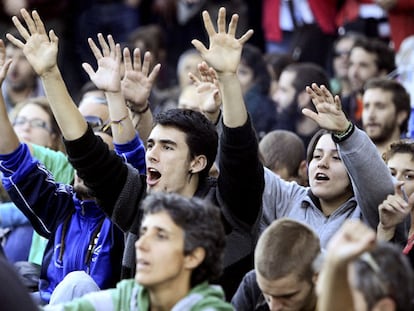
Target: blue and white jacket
[80,236]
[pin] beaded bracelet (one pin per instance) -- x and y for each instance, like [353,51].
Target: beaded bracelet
[340,136]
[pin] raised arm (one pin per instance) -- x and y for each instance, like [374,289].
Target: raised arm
[241,180]
[9,141]
[107,78]
[136,87]
[353,239]
[329,114]
[208,91]
[41,50]
[223,55]
[393,211]
[371,179]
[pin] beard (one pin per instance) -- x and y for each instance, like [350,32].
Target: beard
[288,118]
[386,132]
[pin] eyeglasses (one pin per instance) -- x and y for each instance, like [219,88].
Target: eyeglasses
[98,125]
[341,53]
[34,123]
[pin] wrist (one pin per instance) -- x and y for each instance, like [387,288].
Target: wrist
[385,233]
[341,135]
[52,72]
[138,109]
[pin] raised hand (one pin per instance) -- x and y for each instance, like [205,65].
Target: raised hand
[208,89]
[329,114]
[224,51]
[350,241]
[39,48]
[107,76]
[138,80]
[4,63]
[392,211]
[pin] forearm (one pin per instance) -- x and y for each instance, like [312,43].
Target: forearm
[102,170]
[122,128]
[372,181]
[71,122]
[234,109]
[142,123]
[9,141]
[335,294]
[385,234]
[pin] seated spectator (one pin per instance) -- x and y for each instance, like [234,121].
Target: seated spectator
[95,244]
[180,249]
[180,151]
[288,162]
[398,207]
[359,274]
[34,123]
[284,275]
[347,177]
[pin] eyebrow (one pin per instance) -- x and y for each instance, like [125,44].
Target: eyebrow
[162,141]
[322,150]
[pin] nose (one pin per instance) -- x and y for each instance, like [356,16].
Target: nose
[275,304]
[152,154]
[141,243]
[399,176]
[323,162]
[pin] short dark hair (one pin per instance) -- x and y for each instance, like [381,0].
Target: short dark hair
[202,226]
[286,247]
[396,277]
[400,96]
[289,156]
[385,56]
[306,74]
[201,134]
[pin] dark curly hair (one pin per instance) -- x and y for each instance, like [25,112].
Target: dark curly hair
[202,226]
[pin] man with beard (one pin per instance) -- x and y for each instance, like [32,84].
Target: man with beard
[291,98]
[21,81]
[369,58]
[386,112]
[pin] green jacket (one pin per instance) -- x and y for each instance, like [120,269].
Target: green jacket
[130,296]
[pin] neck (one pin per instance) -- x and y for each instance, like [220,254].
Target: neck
[328,207]
[384,145]
[166,296]
[191,187]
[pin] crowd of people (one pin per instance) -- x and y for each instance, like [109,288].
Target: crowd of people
[253,177]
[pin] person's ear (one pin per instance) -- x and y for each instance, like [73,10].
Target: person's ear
[385,304]
[401,117]
[303,173]
[195,258]
[198,164]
